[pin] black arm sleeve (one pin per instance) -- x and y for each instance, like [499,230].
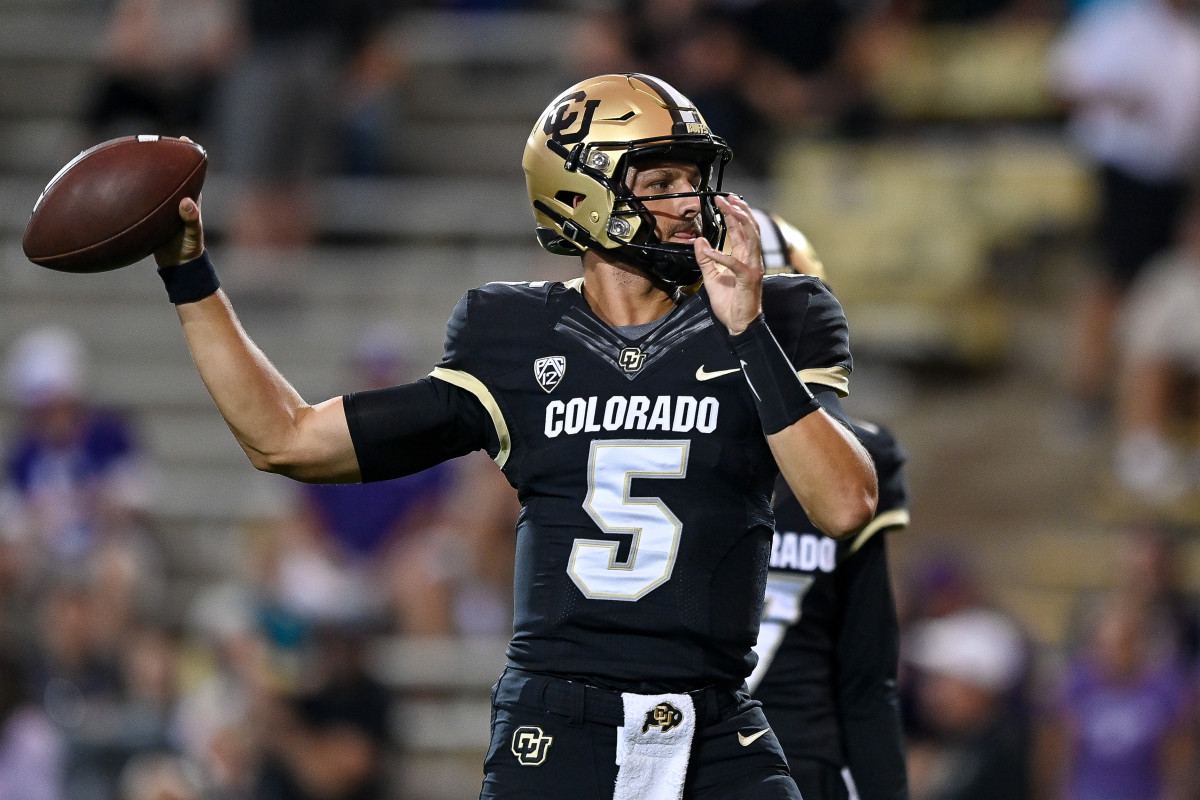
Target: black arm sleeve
[830,400]
[405,429]
[867,655]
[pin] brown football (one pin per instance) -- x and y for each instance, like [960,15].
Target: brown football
[114,203]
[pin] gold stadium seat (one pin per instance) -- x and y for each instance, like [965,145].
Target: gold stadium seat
[966,72]
[1029,185]
[906,251]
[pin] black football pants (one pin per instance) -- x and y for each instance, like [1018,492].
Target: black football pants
[556,740]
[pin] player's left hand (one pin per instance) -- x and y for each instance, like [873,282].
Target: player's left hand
[734,279]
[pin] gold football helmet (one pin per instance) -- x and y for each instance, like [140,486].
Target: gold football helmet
[785,248]
[575,169]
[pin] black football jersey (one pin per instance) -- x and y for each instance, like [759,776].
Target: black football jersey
[829,613]
[643,473]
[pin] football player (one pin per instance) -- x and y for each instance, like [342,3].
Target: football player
[828,646]
[642,412]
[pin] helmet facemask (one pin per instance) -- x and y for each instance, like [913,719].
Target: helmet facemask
[672,263]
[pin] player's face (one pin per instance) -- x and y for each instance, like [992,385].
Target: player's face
[676,219]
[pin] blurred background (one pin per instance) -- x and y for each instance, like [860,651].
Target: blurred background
[1000,191]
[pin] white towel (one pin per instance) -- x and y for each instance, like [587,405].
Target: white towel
[653,746]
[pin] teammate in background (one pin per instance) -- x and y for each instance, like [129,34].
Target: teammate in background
[642,411]
[828,646]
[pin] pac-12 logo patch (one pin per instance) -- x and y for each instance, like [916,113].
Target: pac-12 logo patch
[549,371]
[664,716]
[529,745]
[631,359]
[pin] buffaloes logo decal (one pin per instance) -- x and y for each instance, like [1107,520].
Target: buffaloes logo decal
[564,119]
[529,745]
[549,371]
[664,716]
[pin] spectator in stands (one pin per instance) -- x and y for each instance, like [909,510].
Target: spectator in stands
[946,585]
[699,47]
[372,546]
[1121,724]
[212,725]
[118,711]
[32,750]
[1147,573]
[1159,359]
[306,68]
[974,743]
[76,675]
[801,78]
[1129,73]
[160,776]
[160,61]
[150,687]
[940,583]
[468,572]
[327,740]
[1150,572]
[75,490]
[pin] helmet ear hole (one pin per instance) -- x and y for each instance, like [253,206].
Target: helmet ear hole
[572,199]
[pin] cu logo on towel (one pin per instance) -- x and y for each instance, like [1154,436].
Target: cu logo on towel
[529,745]
[664,716]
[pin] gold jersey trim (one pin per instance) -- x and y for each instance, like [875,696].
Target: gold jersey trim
[837,378]
[896,518]
[475,386]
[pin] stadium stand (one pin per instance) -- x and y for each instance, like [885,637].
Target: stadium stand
[908,226]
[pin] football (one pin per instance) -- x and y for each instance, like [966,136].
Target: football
[114,203]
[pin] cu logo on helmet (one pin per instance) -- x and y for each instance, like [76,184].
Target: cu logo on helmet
[565,117]
[529,745]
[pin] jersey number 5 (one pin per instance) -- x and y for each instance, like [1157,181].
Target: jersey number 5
[652,528]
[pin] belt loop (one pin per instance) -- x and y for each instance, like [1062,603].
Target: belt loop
[712,709]
[578,703]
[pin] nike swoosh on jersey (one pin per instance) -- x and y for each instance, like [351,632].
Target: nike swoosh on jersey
[703,375]
[745,740]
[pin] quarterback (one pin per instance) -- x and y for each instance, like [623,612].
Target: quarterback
[642,411]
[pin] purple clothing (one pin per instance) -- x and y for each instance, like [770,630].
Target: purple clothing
[31,757]
[1120,731]
[32,461]
[66,478]
[363,516]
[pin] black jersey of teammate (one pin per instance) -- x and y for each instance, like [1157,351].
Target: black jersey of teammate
[643,472]
[829,613]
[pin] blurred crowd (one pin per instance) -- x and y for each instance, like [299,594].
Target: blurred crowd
[283,93]
[257,685]
[260,686]
[117,684]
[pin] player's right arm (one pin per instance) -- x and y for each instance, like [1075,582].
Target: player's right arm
[367,436]
[276,428]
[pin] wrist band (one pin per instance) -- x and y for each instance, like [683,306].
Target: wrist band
[780,395]
[190,281]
